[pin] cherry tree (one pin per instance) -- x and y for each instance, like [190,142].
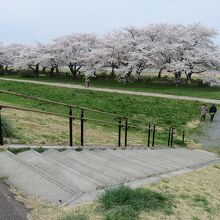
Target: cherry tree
[28,58]
[9,54]
[186,50]
[73,48]
[182,50]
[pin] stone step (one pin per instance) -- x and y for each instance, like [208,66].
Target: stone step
[166,158]
[113,164]
[92,172]
[31,181]
[191,156]
[114,168]
[71,179]
[148,160]
[125,162]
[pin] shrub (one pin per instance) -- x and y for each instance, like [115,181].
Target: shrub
[7,129]
[119,199]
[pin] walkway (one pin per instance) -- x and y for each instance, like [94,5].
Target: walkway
[72,177]
[210,136]
[10,209]
[160,95]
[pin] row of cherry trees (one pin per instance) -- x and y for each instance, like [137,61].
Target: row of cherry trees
[178,49]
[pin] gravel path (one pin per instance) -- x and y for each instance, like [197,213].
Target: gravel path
[10,209]
[72,86]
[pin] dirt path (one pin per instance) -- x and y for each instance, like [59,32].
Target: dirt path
[10,209]
[71,86]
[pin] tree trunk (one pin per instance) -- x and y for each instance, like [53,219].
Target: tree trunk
[30,67]
[44,69]
[113,71]
[37,70]
[160,73]
[189,78]
[177,78]
[51,71]
[74,70]
[6,68]
[57,69]
[128,76]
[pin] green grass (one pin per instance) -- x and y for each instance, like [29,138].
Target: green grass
[121,212]
[163,112]
[3,178]
[149,109]
[202,201]
[23,149]
[74,217]
[150,84]
[126,203]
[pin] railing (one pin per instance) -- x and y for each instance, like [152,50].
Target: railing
[122,121]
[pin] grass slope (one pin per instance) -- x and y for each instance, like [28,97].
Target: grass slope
[163,112]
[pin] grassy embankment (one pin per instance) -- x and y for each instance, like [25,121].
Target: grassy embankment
[190,196]
[150,84]
[40,129]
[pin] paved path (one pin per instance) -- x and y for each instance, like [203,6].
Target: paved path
[210,136]
[10,209]
[70,177]
[160,95]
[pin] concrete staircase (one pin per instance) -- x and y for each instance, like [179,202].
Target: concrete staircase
[63,177]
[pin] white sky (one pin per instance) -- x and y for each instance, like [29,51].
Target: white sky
[29,21]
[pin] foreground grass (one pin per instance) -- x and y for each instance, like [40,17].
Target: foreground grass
[190,196]
[150,84]
[126,203]
[163,112]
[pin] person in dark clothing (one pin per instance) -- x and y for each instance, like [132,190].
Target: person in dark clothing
[212,112]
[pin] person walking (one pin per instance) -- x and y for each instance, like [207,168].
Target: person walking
[212,112]
[204,111]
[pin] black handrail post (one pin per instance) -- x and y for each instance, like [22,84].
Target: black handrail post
[82,127]
[71,127]
[171,141]
[183,138]
[169,133]
[126,132]
[119,132]
[1,129]
[148,140]
[153,138]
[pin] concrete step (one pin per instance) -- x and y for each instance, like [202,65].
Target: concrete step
[147,160]
[191,157]
[168,157]
[69,178]
[65,177]
[118,170]
[137,167]
[92,172]
[29,180]
[196,155]
[115,165]
[136,159]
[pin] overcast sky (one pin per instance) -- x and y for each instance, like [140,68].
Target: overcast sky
[28,21]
